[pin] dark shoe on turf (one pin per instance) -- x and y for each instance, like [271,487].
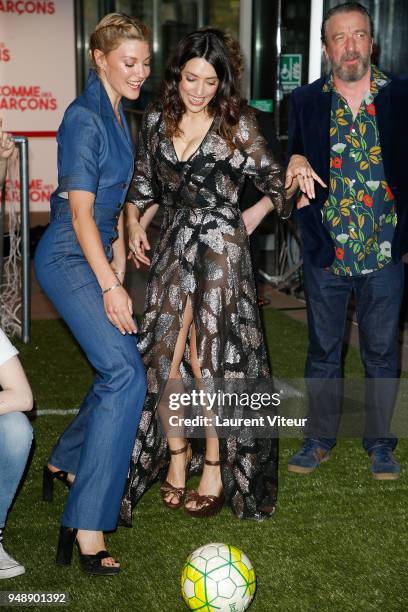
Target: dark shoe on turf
[383,464]
[308,458]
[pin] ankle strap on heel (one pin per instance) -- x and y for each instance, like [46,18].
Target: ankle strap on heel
[208,462]
[179,451]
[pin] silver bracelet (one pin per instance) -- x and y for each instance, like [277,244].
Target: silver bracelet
[115,286]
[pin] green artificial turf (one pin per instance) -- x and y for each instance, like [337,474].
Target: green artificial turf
[337,541]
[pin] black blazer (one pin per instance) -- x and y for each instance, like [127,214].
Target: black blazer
[309,125]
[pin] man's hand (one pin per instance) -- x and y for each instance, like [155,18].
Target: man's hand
[299,169]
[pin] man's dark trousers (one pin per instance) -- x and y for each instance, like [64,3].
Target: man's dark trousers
[378,300]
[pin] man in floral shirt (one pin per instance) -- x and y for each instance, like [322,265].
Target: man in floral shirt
[360,211]
[351,127]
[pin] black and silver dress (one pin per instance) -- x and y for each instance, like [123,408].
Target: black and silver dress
[203,253]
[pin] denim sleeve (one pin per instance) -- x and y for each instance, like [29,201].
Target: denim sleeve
[79,150]
[142,188]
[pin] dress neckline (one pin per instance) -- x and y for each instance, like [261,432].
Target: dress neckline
[184,161]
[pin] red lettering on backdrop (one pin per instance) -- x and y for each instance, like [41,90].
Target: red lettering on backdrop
[26,97]
[38,191]
[4,53]
[29,7]
[33,96]
[22,90]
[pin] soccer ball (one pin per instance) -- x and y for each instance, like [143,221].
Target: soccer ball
[218,578]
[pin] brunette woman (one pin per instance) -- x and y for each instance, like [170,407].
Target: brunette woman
[201,318]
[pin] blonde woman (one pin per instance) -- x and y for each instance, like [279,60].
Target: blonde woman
[80,264]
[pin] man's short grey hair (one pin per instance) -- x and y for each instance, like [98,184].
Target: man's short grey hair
[346,7]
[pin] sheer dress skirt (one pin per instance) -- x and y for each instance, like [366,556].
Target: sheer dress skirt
[203,255]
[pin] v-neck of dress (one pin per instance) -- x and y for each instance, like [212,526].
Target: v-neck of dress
[183,161]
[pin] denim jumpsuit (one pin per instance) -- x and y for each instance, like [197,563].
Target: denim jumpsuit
[94,154]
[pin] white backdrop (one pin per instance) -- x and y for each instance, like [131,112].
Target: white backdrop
[37,82]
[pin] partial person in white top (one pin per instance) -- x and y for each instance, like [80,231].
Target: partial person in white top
[15,439]
[15,398]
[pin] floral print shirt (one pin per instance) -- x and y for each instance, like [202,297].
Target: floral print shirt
[360,212]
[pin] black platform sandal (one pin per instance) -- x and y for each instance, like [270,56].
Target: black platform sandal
[48,482]
[90,564]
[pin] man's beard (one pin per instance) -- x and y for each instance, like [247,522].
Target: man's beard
[351,73]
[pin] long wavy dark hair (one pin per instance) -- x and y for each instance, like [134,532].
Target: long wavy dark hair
[223,53]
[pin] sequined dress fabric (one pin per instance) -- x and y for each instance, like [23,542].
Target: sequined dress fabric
[203,253]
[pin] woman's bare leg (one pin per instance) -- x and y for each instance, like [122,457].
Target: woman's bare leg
[176,474]
[210,483]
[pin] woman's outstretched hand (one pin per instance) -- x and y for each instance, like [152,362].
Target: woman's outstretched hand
[138,244]
[7,144]
[119,310]
[299,169]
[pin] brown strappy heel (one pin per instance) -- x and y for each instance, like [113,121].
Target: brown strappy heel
[168,489]
[206,505]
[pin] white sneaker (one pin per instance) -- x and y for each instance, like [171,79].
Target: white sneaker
[9,567]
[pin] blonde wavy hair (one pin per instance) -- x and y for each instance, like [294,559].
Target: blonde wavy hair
[112,30]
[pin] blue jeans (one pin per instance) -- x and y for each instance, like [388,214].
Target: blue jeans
[16,435]
[378,298]
[98,443]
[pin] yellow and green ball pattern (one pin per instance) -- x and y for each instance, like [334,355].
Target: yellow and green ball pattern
[218,578]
